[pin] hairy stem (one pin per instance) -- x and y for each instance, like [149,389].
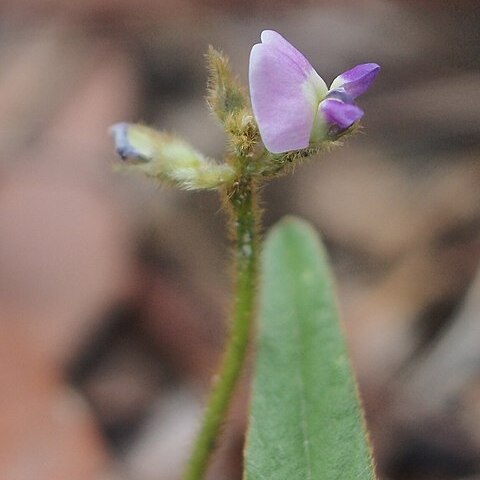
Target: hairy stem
[241,199]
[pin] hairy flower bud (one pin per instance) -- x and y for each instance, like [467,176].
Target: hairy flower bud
[168,158]
[226,96]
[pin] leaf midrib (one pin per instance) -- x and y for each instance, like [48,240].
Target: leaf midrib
[297,298]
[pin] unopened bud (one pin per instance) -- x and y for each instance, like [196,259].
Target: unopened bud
[168,158]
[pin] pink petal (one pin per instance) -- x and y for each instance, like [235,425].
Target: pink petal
[285,91]
[275,40]
[356,80]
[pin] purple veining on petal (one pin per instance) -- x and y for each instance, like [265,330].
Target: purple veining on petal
[339,113]
[283,103]
[356,81]
[122,144]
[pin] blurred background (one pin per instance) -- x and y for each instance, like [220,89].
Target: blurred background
[114,292]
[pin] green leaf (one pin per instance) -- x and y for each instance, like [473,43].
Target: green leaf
[306,422]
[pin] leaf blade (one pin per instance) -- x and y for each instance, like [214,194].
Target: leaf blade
[306,422]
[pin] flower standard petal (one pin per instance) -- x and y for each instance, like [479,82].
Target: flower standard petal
[285,91]
[275,40]
[338,113]
[357,80]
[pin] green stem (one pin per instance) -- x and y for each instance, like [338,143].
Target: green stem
[243,210]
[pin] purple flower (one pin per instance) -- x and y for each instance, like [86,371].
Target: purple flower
[292,103]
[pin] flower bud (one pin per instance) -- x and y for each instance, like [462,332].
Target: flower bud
[168,158]
[226,96]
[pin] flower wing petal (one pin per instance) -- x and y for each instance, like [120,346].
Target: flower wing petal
[357,80]
[336,112]
[285,91]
